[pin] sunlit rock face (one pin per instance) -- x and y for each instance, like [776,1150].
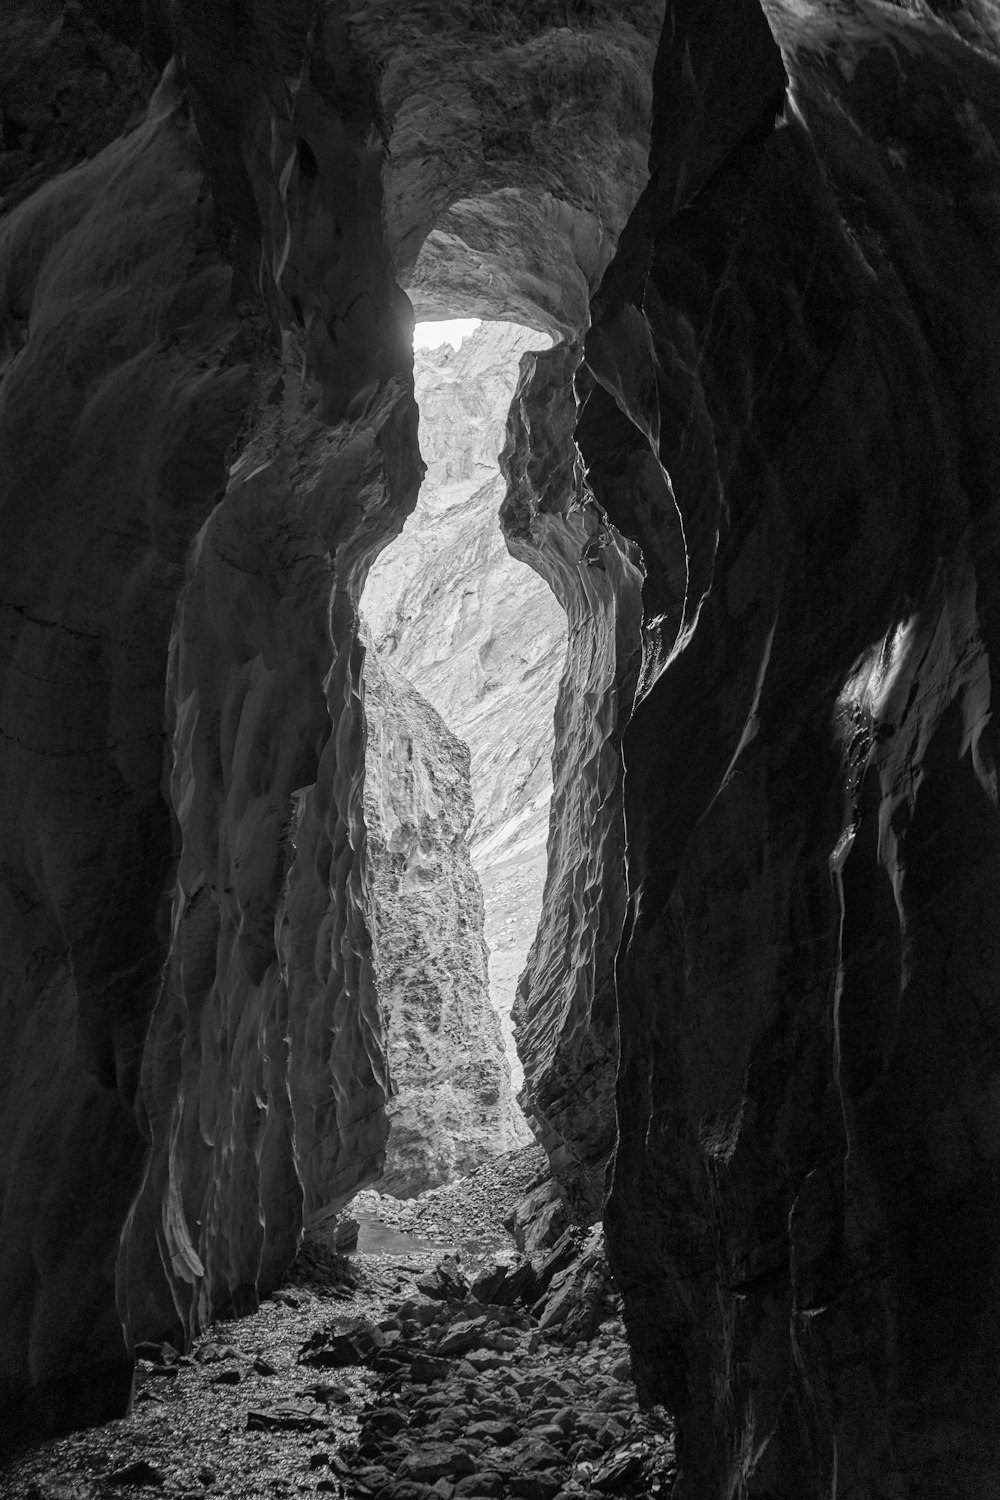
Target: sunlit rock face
[797,418]
[452,1106]
[478,633]
[519,136]
[565,1011]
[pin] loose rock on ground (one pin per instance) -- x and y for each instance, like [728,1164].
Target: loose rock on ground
[413,1376]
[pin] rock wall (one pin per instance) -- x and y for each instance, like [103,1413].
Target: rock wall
[480,635]
[453,1106]
[789,408]
[519,136]
[124,386]
[191,1041]
[801,329]
[565,1011]
[208,431]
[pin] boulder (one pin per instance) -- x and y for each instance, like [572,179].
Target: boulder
[355,1345]
[539,1219]
[444,1282]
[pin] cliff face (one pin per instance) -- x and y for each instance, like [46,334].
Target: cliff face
[565,1010]
[801,328]
[208,431]
[453,1105]
[478,633]
[191,1042]
[117,327]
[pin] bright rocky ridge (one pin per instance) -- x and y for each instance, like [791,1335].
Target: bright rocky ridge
[479,633]
[452,1105]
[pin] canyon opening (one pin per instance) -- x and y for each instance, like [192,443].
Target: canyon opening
[752,459]
[465,648]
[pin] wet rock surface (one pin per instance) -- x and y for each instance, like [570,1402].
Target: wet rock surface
[394,1377]
[470,1217]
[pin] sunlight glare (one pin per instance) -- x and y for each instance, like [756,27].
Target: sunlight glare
[451,331]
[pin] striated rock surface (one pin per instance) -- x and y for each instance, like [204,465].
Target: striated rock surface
[190,1039]
[208,431]
[565,1011]
[452,1105]
[518,145]
[124,386]
[801,330]
[789,425]
[479,634]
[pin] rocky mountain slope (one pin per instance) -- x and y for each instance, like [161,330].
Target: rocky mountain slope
[479,634]
[452,1104]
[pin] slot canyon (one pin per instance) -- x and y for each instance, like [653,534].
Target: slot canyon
[742,261]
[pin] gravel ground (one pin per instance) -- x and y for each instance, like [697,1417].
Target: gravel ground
[469,1212]
[243,1417]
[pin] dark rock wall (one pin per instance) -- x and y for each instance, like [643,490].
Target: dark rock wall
[123,388]
[73,77]
[801,329]
[208,431]
[565,1011]
[205,1031]
[264,1075]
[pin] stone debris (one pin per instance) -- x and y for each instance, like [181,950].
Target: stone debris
[472,1210]
[356,1344]
[445,1281]
[284,1417]
[139,1473]
[458,1378]
[326,1393]
[212,1353]
[540,1218]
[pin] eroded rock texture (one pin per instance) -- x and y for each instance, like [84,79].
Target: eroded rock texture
[565,1012]
[452,1105]
[791,418]
[797,357]
[205,1031]
[208,432]
[123,389]
[518,141]
[479,634]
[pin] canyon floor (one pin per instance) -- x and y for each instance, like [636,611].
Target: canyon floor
[391,1373]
